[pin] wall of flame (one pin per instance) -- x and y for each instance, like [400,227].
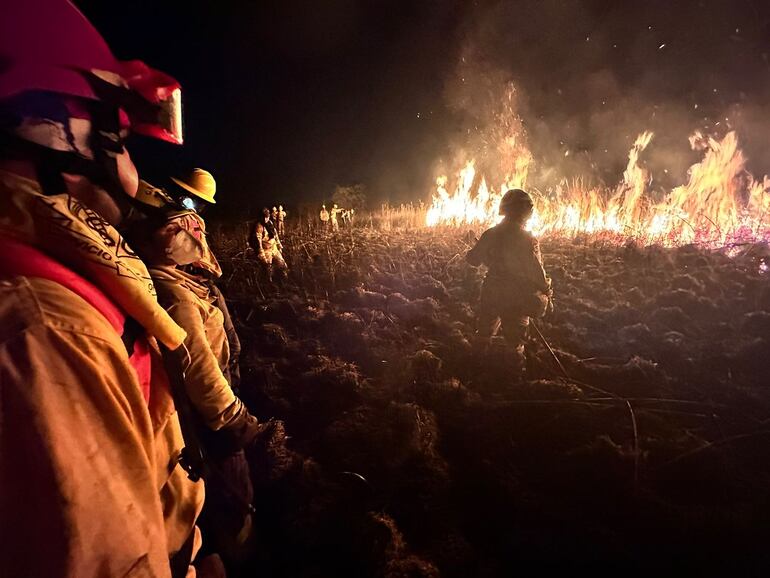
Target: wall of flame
[721,203]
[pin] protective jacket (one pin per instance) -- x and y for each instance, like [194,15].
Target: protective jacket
[516,287]
[513,258]
[89,479]
[232,372]
[190,302]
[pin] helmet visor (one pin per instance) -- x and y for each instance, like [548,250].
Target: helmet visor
[151,100]
[164,121]
[156,110]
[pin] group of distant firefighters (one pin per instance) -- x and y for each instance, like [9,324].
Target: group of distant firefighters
[331,218]
[118,357]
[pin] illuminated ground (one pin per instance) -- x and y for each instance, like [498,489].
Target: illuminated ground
[654,455]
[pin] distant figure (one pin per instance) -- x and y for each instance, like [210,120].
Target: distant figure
[324,215]
[266,243]
[515,287]
[280,221]
[274,215]
[335,223]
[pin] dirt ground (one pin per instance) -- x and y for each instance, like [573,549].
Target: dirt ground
[416,450]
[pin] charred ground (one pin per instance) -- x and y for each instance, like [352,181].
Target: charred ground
[653,455]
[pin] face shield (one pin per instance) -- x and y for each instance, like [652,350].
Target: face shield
[150,100]
[163,121]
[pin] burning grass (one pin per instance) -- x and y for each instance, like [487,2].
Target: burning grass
[720,203]
[653,454]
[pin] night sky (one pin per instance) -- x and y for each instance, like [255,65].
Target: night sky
[284,100]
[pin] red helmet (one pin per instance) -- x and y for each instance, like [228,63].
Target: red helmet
[49,46]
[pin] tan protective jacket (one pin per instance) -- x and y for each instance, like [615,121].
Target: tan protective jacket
[89,480]
[192,305]
[512,255]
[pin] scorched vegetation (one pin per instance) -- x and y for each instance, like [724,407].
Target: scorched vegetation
[414,450]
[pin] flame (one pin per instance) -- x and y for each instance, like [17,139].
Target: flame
[721,202]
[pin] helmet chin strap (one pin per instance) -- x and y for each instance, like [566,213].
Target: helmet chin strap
[50,162]
[106,145]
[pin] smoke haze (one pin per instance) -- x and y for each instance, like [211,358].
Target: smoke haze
[590,76]
[285,100]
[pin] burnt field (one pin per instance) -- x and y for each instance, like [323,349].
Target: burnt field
[414,450]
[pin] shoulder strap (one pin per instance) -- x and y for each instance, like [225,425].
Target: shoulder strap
[20,259]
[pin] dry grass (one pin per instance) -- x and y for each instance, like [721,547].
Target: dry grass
[656,442]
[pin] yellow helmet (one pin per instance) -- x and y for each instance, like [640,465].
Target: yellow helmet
[201,184]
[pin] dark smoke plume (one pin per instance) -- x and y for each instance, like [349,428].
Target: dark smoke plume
[591,75]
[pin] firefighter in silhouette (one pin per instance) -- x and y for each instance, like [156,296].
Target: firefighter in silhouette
[516,287]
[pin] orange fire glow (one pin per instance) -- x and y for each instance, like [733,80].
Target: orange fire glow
[721,203]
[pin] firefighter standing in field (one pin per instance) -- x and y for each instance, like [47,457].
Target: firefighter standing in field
[184,268]
[333,217]
[516,287]
[266,242]
[280,222]
[324,216]
[90,483]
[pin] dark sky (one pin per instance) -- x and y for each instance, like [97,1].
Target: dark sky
[285,99]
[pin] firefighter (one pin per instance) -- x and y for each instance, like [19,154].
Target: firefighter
[197,193]
[183,268]
[90,482]
[516,287]
[265,241]
[333,217]
[324,216]
[280,222]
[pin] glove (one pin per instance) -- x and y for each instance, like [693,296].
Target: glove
[267,430]
[243,428]
[549,294]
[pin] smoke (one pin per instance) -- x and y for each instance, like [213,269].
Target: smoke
[590,76]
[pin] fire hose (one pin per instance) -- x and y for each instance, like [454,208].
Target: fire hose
[549,348]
